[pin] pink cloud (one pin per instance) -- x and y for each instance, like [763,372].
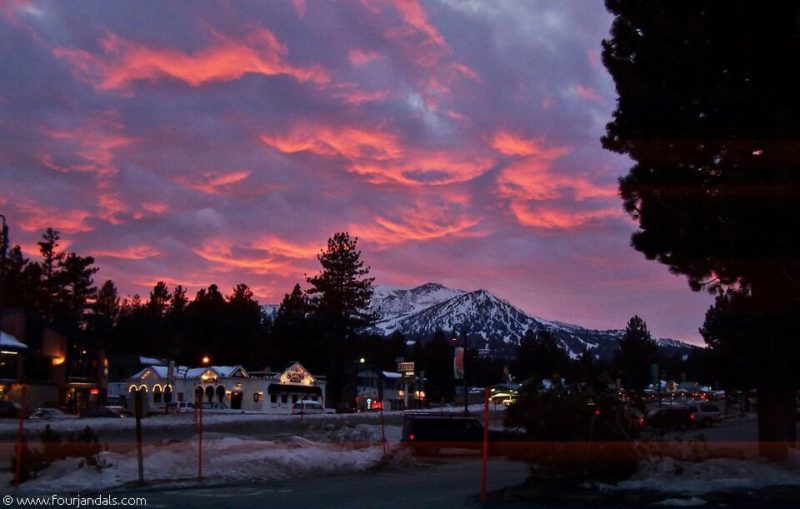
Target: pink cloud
[214,183]
[350,142]
[414,15]
[128,253]
[351,94]
[442,215]
[550,217]
[36,217]
[124,62]
[300,6]
[361,58]
[514,145]
[588,93]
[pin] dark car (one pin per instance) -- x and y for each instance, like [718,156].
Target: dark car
[429,434]
[100,412]
[9,409]
[670,418]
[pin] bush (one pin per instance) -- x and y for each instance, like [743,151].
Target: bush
[573,437]
[32,462]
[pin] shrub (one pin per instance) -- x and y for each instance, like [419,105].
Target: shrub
[573,437]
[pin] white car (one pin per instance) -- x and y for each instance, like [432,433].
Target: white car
[705,414]
[307,406]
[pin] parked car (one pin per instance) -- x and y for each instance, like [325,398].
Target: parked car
[123,411]
[216,405]
[307,406]
[100,412]
[428,434]
[180,406]
[50,414]
[9,409]
[670,418]
[706,414]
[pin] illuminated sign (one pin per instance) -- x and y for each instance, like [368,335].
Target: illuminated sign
[296,374]
[406,368]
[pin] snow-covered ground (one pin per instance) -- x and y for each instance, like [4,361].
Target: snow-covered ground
[226,459]
[719,474]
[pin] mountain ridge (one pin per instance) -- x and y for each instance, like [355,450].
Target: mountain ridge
[420,311]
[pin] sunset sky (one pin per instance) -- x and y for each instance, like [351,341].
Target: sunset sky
[199,142]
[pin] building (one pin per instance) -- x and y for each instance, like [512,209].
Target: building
[228,387]
[376,389]
[53,369]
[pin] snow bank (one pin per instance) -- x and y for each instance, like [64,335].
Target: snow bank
[226,459]
[721,474]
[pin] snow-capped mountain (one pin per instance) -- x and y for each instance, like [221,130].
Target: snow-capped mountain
[419,312]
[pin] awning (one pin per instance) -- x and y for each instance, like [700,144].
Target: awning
[294,389]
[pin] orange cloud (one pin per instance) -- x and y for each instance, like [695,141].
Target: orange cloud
[534,179]
[281,247]
[513,145]
[219,253]
[129,253]
[351,94]
[155,207]
[352,143]
[381,157]
[421,167]
[95,141]
[554,218]
[36,217]
[444,215]
[215,183]
[226,59]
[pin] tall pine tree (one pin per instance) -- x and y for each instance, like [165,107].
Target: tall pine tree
[341,293]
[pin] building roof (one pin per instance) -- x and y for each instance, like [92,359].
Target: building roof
[9,341]
[391,374]
[187,372]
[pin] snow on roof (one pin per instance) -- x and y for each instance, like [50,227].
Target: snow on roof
[391,374]
[187,372]
[151,361]
[9,341]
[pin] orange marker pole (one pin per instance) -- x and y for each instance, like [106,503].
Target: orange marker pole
[200,441]
[20,436]
[485,445]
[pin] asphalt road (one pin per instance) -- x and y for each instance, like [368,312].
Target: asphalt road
[438,483]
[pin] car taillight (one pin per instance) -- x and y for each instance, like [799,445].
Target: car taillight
[641,421]
[411,437]
[597,412]
[691,417]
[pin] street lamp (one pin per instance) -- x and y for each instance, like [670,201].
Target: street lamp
[206,360]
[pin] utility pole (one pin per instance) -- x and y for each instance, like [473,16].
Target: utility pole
[3,248]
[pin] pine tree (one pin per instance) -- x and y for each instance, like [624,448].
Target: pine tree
[341,292]
[636,353]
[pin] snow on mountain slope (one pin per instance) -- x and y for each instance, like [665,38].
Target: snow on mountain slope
[419,312]
[393,304]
